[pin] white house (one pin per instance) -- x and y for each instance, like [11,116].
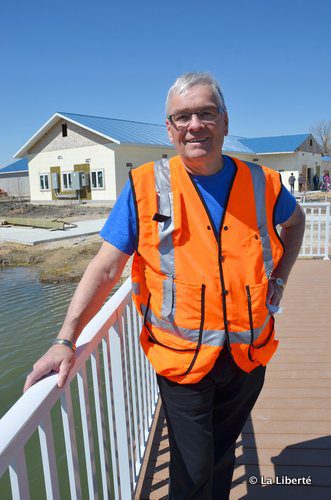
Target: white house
[89,157]
[299,154]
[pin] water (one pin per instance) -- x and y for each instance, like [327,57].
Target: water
[31,314]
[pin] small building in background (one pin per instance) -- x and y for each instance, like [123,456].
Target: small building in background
[300,154]
[84,157]
[14,179]
[89,157]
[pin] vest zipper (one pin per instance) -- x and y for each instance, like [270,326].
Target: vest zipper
[219,244]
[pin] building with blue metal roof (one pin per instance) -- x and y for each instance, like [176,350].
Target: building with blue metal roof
[17,166]
[278,144]
[14,178]
[97,153]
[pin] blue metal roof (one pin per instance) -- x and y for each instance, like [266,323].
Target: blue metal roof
[235,144]
[124,131]
[17,166]
[278,144]
[326,158]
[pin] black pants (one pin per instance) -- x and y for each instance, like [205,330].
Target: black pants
[204,421]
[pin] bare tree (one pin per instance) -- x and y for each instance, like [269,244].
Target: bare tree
[322,133]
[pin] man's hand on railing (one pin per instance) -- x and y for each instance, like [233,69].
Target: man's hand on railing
[59,358]
[100,276]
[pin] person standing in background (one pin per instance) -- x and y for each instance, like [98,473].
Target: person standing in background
[291,181]
[301,181]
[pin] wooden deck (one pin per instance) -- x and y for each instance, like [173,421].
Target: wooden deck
[289,431]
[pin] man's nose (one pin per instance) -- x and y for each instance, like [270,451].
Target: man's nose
[195,122]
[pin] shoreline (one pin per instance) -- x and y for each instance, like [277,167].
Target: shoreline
[61,261]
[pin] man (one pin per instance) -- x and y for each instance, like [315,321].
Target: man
[291,181]
[301,181]
[208,264]
[316,181]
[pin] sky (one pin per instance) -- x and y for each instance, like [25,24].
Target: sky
[105,58]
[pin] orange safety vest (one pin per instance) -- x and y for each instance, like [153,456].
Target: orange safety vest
[198,289]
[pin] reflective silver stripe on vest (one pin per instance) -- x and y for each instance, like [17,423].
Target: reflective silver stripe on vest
[210,337]
[245,337]
[214,338]
[166,228]
[259,183]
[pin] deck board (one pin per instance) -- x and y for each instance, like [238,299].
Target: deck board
[289,430]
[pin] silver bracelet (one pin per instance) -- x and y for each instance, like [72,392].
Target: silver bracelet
[66,342]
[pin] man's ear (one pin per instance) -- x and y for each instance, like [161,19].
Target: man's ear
[168,125]
[226,123]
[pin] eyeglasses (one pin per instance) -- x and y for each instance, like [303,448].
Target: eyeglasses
[181,120]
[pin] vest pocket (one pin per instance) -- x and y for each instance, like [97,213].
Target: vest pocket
[175,334]
[265,349]
[256,302]
[175,302]
[262,350]
[257,314]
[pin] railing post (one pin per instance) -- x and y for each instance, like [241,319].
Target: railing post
[138,355]
[19,478]
[70,445]
[99,413]
[144,393]
[137,457]
[327,231]
[116,368]
[48,459]
[85,412]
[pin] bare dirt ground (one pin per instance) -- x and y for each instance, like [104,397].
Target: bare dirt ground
[56,261]
[70,211]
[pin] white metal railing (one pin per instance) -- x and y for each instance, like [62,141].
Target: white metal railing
[317,233]
[110,422]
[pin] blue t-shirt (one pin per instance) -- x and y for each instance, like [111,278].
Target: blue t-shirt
[120,227]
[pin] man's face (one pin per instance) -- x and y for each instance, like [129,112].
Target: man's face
[199,144]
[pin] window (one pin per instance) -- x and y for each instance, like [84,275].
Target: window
[66,181]
[44,182]
[311,142]
[64,130]
[97,179]
[164,155]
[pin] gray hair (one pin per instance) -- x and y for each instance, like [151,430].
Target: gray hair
[185,82]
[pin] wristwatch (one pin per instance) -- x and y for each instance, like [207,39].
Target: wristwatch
[279,281]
